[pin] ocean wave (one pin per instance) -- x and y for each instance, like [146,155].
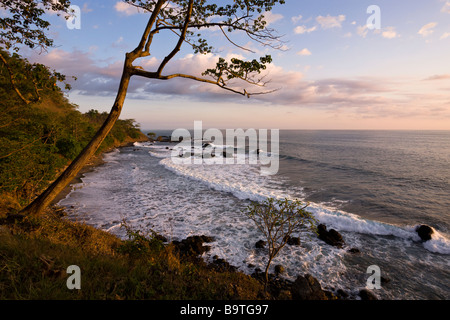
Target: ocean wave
[245,183]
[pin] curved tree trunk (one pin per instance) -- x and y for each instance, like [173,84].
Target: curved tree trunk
[43,200]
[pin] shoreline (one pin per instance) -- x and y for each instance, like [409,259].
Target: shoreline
[91,165]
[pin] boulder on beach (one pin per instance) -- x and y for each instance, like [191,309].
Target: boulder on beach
[331,237]
[424,232]
[307,288]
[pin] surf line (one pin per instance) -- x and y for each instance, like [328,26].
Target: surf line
[196,151]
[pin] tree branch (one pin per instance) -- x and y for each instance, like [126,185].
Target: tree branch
[180,40]
[222,85]
[138,52]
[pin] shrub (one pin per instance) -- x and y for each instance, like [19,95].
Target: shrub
[278,220]
[68,147]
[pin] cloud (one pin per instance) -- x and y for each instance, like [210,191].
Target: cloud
[427,29]
[304,29]
[445,35]
[362,31]
[329,22]
[296,18]
[438,77]
[446,7]
[126,8]
[304,52]
[85,8]
[271,17]
[361,96]
[118,43]
[389,33]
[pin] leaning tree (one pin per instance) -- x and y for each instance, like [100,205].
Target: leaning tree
[187,19]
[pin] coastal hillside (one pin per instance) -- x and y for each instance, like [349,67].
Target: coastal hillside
[39,139]
[41,131]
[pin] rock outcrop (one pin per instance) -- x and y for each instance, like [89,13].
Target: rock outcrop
[192,246]
[308,288]
[424,232]
[331,237]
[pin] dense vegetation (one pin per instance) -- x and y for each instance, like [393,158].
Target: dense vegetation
[37,140]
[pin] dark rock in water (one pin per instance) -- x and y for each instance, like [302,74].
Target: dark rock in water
[342,294]
[307,288]
[385,280]
[260,244]
[354,250]
[367,295]
[331,237]
[222,265]
[192,246]
[292,241]
[424,232]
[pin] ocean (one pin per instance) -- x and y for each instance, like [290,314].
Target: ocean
[374,187]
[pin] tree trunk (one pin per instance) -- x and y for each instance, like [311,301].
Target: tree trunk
[43,200]
[266,273]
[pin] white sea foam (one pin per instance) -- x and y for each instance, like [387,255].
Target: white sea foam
[149,196]
[244,182]
[438,243]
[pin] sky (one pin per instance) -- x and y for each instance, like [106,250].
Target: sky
[333,72]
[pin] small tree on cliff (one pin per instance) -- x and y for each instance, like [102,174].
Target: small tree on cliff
[186,19]
[277,220]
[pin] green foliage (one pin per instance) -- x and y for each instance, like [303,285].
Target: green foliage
[278,219]
[190,19]
[240,69]
[24,23]
[29,79]
[139,244]
[38,140]
[68,147]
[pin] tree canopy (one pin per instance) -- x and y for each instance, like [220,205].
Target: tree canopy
[187,19]
[38,140]
[24,24]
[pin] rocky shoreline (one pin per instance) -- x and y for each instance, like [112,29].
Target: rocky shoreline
[304,287]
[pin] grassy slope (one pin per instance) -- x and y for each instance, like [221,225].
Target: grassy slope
[35,253]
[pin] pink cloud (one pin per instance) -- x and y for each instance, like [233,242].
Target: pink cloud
[365,96]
